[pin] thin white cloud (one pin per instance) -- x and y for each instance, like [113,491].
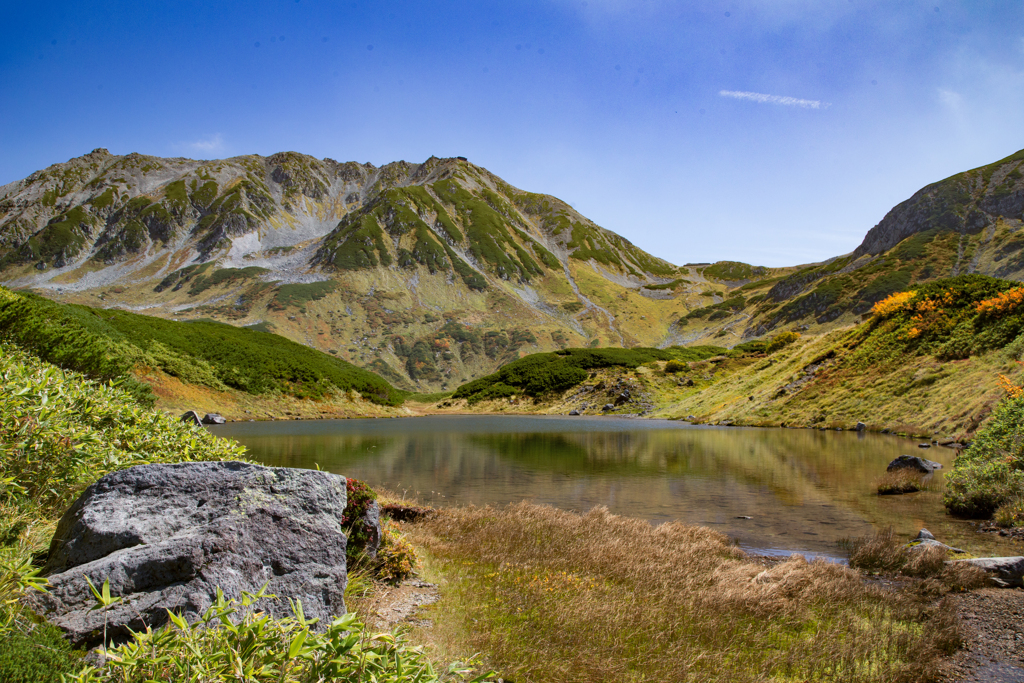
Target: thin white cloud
[763,98]
[213,143]
[951,99]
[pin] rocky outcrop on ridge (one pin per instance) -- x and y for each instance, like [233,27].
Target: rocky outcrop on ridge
[967,202]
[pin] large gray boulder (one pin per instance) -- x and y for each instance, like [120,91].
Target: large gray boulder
[167,536]
[1005,572]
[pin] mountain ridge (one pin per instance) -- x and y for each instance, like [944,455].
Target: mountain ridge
[433,274]
[446,238]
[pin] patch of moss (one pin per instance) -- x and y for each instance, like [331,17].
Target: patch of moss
[357,242]
[300,294]
[176,193]
[105,199]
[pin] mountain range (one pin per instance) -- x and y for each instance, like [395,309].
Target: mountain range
[433,274]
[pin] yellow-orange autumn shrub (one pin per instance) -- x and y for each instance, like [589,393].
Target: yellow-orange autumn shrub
[1007,301]
[891,304]
[1011,389]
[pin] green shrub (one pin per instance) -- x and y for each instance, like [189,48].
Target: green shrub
[1010,513]
[753,346]
[299,294]
[546,373]
[54,334]
[990,473]
[59,432]
[733,270]
[941,318]
[358,501]
[674,366]
[780,341]
[396,558]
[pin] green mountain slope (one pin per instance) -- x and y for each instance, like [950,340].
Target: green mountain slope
[108,344]
[428,274]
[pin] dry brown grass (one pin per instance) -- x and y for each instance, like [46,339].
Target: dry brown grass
[886,552]
[555,596]
[900,481]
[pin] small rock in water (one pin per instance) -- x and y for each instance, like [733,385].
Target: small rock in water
[913,462]
[924,445]
[923,534]
[744,517]
[574,412]
[213,419]
[861,427]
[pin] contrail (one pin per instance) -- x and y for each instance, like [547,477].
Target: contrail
[774,99]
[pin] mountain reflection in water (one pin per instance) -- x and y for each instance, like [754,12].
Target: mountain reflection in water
[801,489]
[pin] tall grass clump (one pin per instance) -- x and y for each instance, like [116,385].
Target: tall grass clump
[900,481]
[557,597]
[886,553]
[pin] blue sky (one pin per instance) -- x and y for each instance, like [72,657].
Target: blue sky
[774,132]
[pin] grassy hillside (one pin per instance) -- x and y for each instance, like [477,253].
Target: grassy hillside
[107,343]
[544,374]
[926,362]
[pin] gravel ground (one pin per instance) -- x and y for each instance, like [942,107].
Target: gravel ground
[396,605]
[992,620]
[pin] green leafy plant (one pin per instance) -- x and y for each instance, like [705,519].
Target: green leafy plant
[359,499]
[233,641]
[396,557]
[104,601]
[674,366]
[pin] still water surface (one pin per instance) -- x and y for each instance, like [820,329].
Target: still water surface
[802,490]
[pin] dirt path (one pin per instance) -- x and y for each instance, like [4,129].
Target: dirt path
[393,606]
[992,620]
